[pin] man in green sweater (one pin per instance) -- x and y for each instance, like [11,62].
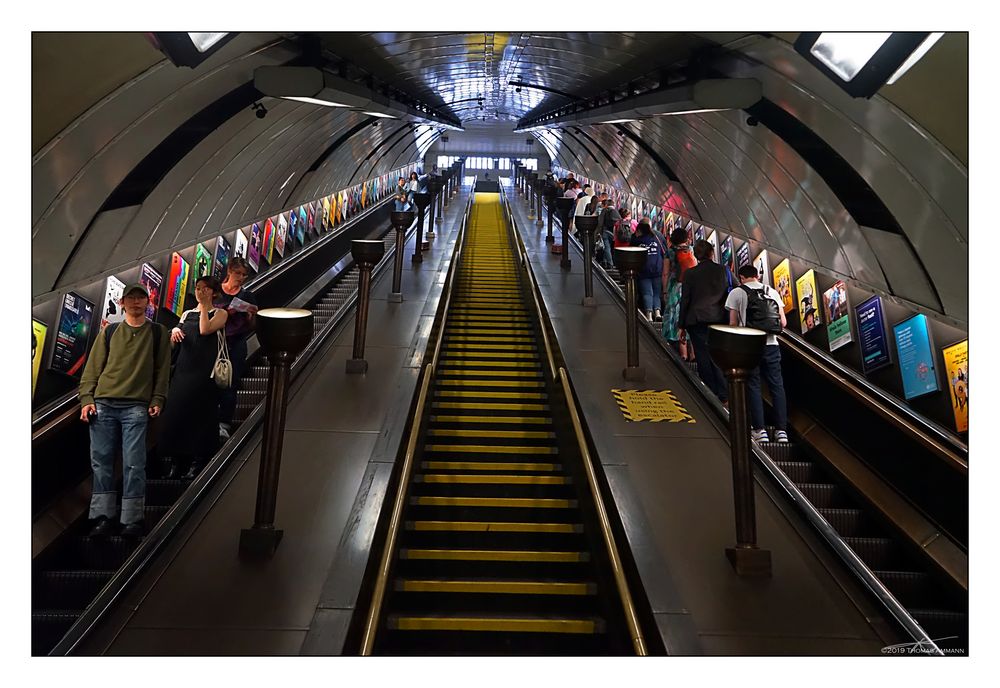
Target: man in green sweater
[124,384]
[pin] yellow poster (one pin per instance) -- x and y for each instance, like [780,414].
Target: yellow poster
[956,365]
[38,331]
[809,315]
[783,283]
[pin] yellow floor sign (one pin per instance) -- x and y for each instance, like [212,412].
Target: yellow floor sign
[652,405]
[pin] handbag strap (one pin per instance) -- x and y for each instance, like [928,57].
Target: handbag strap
[223,351]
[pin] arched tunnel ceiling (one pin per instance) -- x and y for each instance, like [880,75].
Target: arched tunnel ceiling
[740,179]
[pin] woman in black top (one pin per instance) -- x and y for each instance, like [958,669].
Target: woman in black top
[189,422]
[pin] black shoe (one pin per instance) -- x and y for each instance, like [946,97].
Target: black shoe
[103,527]
[172,468]
[134,530]
[193,471]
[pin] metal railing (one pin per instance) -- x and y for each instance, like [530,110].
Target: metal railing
[561,376]
[406,470]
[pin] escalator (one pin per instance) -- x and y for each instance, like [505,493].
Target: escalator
[498,550]
[937,599]
[71,572]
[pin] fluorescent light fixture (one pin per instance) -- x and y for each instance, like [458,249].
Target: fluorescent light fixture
[618,121]
[379,114]
[314,101]
[204,41]
[914,57]
[846,54]
[862,63]
[690,112]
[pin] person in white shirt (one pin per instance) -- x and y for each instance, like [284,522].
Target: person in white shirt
[770,363]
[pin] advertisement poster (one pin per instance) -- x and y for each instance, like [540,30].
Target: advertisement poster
[222,249]
[916,359]
[324,213]
[267,241]
[871,335]
[699,233]
[177,284]
[311,224]
[38,330]
[783,283]
[112,309]
[280,233]
[713,239]
[805,287]
[835,309]
[299,224]
[761,262]
[253,250]
[728,256]
[70,351]
[202,261]
[956,366]
[743,255]
[153,281]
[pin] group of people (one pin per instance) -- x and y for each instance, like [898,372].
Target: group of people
[406,188]
[682,287]
[137,370]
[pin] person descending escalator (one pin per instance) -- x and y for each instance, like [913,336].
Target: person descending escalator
[678,259]
[241,304]
[123,385]
[703,298]
[189,436]
[756,305]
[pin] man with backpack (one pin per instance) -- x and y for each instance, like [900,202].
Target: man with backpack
[756,305]
[123,385]
[608,222]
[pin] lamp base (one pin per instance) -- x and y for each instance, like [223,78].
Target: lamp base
[750,561]
[566,263]
[539,223]
[589,301]
[417,258]
[634,373]
[395,298]
[357,366]
[429,235]
[550,239]
[259,542]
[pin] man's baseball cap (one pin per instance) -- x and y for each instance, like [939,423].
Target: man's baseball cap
[135,287]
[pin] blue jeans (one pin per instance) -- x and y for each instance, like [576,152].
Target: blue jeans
[227,397]
[607,260]
[649,293]
[112,425]
[770,367]
[709,373]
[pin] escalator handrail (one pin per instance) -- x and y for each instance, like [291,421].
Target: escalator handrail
[929,434]
[808,510]
[560,376]
[406,470]
[57,413]
[169,524]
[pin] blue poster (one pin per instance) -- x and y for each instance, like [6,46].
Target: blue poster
[871,335]
[916,359]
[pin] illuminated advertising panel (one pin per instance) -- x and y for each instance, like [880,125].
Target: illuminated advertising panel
[783,283]
[38,332]
[153,281]
[956,365]
[916,356]
[871,335]
[177,283]
[222,249]
[809,315]
[112,308]
[837,313]
[70,351]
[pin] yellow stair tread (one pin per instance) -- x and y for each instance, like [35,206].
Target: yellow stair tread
[494,527]
[499,434]
[490,466]
[491,394]
[494,555]
[527,420]
[497,587]
[495,502]
[481,479]
[495,624]
[491,449]
[455,382]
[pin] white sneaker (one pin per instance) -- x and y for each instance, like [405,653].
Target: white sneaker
[759,435]
[223,432]
[780,436]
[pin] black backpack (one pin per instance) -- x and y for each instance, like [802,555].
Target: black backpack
[762,312]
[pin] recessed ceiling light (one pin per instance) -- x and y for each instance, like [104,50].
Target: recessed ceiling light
[315,101]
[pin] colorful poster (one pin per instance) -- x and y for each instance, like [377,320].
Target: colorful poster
[177,284]
[916,358]
[112,311]
[253,250]
[267,241]
[783,283]
[38,330]
[280,233]
[761,262]
[302,224]
[805,288]
[293,228]
[222,249]
[837,314]
[713,239]
[312,219]
[871,335]
[153,281]
[743,255]
[70,351]
[699,233]
[728,256]
[956,366]
[202,261]
[326,219]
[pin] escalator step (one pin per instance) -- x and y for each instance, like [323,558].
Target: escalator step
[877,552]
[780,451]
[822,495]
[909,587]
[494,555]
[504,624]
[797,471]
[847,522]
[68,589]
[496,587]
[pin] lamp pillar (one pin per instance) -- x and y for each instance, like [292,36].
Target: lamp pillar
[539,184]
[565,207]
[550,197]
[587,224]
[366,253]
[422,200]
[434,187]
[283,333]
[630,260]
[400,221]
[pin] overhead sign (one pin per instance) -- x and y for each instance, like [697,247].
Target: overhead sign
[652,405]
